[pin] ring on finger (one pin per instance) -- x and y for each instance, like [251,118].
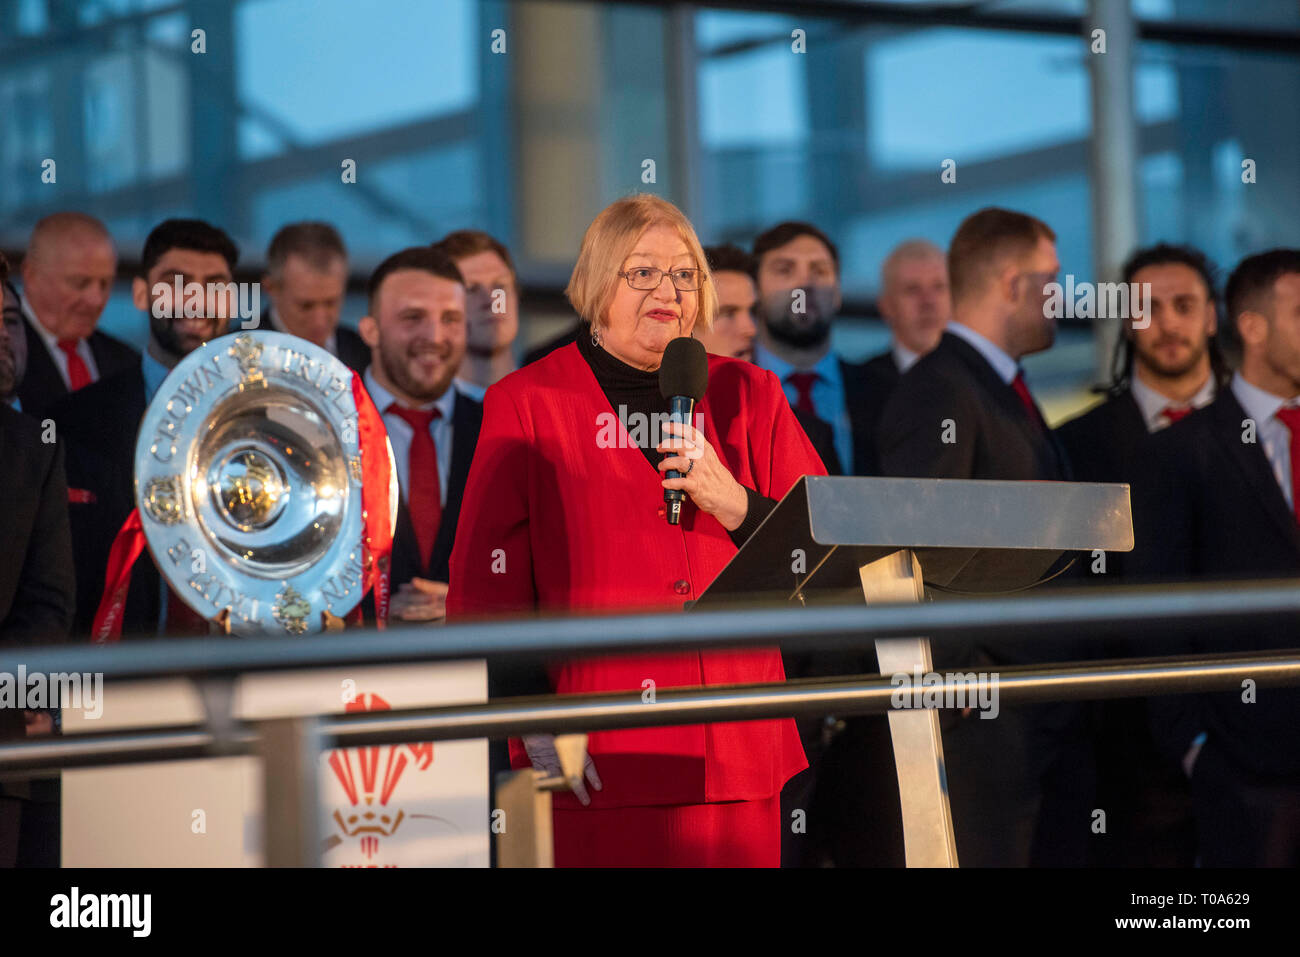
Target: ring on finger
[691,466]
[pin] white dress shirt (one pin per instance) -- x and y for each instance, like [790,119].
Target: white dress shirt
[52,347]
[1005,366]
[471,389]
[904,358]
[400,432]
[1152,404]
[1272,435]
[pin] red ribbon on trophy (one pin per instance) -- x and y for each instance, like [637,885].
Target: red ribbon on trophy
[376,507]
[127,547]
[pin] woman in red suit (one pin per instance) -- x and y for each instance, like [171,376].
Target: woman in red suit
[564,512]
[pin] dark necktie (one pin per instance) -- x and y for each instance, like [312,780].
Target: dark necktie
[78,374]
[1290,417]
[803,384]
[423,489]
[1027,400]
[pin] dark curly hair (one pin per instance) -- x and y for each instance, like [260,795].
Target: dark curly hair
[1161,254]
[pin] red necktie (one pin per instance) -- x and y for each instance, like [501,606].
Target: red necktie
[1174,413]
[1027,400]
[803,383]
[78,374]
[423,490]
[1290,417]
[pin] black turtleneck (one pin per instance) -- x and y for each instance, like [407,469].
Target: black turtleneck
[633,391]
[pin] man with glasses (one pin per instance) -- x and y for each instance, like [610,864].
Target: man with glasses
[964,412]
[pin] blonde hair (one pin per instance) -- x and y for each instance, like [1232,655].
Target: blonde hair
[610,239]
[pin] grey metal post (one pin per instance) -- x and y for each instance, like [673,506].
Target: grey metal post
[1114,156]
[683,101]
[290,752]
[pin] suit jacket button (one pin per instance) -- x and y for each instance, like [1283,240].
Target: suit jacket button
[682,586]
[663,511]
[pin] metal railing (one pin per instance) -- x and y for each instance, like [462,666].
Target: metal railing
[1154,613]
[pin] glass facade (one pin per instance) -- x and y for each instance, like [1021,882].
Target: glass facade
[525,117]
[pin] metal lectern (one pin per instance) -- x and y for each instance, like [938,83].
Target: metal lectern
[835,538]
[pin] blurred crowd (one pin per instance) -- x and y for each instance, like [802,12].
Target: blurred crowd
[1208,447]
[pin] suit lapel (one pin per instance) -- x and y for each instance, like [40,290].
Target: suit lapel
[1046,448]
[859,408]
[42,384]
[406,549]
[466,418]
[135,405]
[1252,463]
[1131,425]
[107,358]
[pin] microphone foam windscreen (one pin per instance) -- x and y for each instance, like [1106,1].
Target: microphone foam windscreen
[685,369]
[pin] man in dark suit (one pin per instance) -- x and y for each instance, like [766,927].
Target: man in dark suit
[97,426]
[964,412]
[798,271]
[850,778]
[1168,364]
[13,357]
[416,331]
[1223,505]
[734,331]
[916,306]
[67,276]
[306,280]
[36,603]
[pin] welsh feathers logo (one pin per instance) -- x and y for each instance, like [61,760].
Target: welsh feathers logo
[370,777]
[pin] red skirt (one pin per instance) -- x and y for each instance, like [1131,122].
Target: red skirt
[726,834]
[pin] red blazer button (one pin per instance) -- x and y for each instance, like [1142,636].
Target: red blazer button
[682,586]
[662,511]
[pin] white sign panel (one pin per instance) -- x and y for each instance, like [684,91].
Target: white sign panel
[410,805]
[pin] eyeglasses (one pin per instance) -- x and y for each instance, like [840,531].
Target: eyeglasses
[645,278]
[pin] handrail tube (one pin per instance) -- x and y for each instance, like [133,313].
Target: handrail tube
[590,712]
[1117,610]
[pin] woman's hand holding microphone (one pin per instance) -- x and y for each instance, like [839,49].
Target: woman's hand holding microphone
[705,479]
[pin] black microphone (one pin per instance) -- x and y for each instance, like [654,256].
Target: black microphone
[683,377]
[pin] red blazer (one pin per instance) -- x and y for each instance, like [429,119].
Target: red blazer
[553,521]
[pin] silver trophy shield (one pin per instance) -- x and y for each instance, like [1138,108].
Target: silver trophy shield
[248,480]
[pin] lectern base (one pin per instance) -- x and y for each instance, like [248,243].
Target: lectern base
[918,747]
